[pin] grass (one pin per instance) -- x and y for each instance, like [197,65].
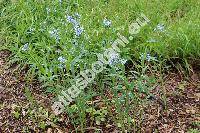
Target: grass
[37,33]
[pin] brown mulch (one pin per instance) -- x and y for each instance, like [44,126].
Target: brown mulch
[177,105]
[13,99]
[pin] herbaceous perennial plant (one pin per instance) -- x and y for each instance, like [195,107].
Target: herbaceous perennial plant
[54,42]
[58,47]
[58,39]
[88,75]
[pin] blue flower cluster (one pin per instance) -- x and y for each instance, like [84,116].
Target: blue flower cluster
[77,28]
[114,58]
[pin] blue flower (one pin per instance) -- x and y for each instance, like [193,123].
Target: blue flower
[113,58]
[77,28]
[78,31]
[160,27]
[148,57]
[72,20]
[25,47]
[61,59]
[107,22]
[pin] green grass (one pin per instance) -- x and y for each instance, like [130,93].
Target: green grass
[30,22]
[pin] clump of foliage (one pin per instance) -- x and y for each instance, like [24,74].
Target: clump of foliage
[57,39]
